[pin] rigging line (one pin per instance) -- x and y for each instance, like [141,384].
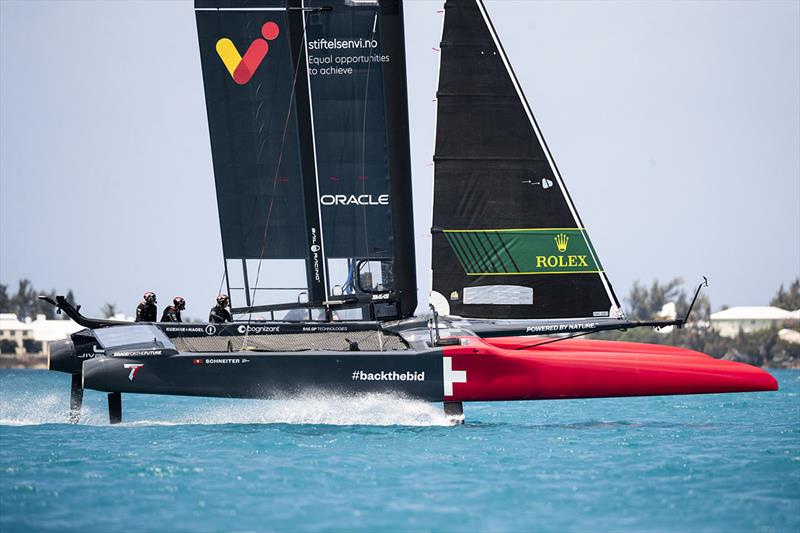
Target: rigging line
[222,281]
[364,147]
[556,340]
[275,182]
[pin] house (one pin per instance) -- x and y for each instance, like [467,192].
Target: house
[38,333]
[750,318]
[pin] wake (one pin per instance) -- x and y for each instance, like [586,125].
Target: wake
[29,409]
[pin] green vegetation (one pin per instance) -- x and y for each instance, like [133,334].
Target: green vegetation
[26,304]
[789,300]
[762,348]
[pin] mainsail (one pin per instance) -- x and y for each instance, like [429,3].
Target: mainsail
[507,239]
[307,111]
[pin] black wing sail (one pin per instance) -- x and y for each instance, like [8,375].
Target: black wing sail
[309,138]
[507,240]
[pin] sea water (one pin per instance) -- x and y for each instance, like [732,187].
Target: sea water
[728,462]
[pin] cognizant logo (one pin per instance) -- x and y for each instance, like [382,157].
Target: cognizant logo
[243,67]
[361,199]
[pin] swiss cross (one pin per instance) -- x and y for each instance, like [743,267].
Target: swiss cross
[452,376]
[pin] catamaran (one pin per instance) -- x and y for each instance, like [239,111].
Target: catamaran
[308,118]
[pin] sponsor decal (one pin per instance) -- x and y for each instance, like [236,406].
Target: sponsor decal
[225,361]
[571,326]
[338,44]
[322,329]
[360,375]
[95,352]
[315,252]
[561,242]
[353,199]
[544,183]
[134,367]
[210,329]
[197,329]
[242,67]
[197,361]
[454,296]
[137,353]
[523,251]
[553,261]
[452,376]
[257,329]
[384,296]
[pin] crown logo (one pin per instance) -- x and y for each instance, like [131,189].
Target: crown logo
[561,242]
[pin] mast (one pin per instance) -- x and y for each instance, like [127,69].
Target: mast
[317,280]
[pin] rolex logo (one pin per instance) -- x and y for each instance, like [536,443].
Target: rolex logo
[561,242]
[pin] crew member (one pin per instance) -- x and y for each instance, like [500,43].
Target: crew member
[146,310]
[219,313]
[172,313]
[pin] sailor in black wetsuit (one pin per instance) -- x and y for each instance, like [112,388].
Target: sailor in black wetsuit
[172,313]
[146,310]
[219,313]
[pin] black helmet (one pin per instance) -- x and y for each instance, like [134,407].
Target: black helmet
[150,297]
[222,300]
[179,302]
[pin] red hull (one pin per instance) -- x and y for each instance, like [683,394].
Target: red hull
[580,368]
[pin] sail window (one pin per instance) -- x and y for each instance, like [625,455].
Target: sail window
[262,282]
[375,276]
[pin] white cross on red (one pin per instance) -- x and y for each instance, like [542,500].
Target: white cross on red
[452,376]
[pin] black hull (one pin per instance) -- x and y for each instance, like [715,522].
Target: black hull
[272,375]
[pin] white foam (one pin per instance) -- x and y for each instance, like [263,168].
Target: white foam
[368,409]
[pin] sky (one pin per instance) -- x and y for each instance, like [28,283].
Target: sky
[675,125]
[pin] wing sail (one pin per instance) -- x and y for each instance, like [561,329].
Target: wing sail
[507,239]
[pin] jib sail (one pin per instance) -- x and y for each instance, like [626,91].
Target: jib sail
[507,239]
[307,111]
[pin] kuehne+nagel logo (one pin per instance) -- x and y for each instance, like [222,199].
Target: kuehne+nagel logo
[240,67]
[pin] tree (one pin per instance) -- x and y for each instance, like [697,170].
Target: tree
[5,301]
[789,300]
[22,303]
[26,303]
[645,303]
[109,310]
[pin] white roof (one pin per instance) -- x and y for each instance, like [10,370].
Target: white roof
[51,330]
[41,328]
[10,321]
[755,313]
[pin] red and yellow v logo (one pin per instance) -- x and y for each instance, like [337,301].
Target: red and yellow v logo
[240,67]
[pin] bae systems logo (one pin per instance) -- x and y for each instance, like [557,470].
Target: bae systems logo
[243,67]
[353,199]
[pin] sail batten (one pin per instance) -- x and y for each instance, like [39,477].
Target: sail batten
[495,177]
